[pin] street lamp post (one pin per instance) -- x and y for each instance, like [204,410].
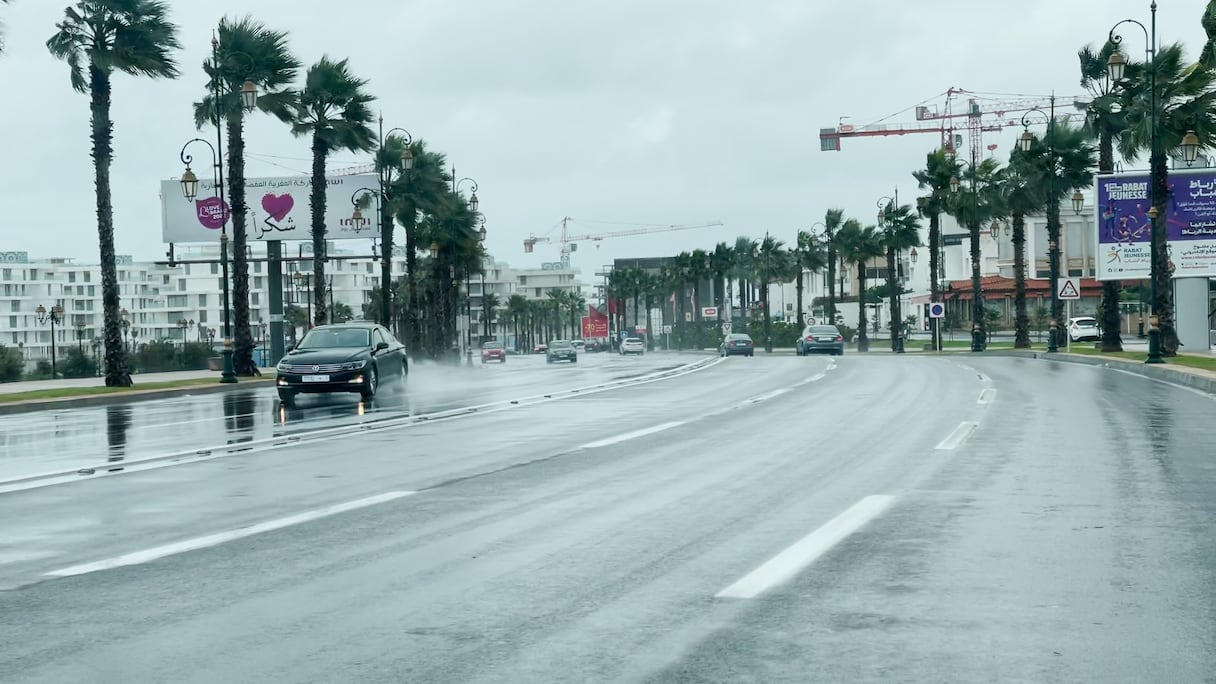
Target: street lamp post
[764,283]
[125,322]
[249,97]
[80,334]
[481,239]
[468,305]
[1025,142]
[54,316]
[1116,64]
[97,355]
[978,325]
[304,280]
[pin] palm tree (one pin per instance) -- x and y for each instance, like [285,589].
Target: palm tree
[721,263]
[489,310]
[246,50]
[857,246]
[420,191]
[698,271]
[900,231]
[1067,149]
[1022,197]
[935,177]
[742,253]
[557,302]
[1105,120]
[978,204]
[2,2]
[770,261]
[517,311]
[1186,101]
[97,38]
[811,255]
[333,109]
[576,303]
[833,221]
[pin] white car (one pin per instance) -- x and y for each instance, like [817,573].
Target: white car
[632,345]
[579,345]
[1084,329]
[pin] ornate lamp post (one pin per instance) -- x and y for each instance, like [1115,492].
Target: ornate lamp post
[54,316]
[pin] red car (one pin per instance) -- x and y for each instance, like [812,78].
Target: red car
[493,351]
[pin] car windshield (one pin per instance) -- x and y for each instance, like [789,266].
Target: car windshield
[330,338]
[559,344]
[633,340]
[492,345]
[1085,321]
[824,330]
[739,337]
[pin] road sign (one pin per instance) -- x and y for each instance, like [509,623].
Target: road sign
[937,310]
[687,316]
[1068,288]
[667,329]
[726,328]
[709,312]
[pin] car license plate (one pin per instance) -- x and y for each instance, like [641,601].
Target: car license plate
[316,378]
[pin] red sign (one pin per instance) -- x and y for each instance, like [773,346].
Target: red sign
[595,324]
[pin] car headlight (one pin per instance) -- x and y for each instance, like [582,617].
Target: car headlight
[282,367]
[353,365]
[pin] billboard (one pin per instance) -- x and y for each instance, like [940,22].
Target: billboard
[277,210]
[1123,227]
[595,324]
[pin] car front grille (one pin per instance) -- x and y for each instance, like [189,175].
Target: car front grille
[317,368]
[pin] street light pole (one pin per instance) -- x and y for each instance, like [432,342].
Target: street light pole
[468,306]
[1190,143]
[54,315]
[1053,218]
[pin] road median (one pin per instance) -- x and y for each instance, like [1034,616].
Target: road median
[76,397]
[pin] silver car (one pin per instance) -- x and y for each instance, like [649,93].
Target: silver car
[820,338]
[632,345]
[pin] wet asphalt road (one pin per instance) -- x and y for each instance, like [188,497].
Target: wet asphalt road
[67,439]
[771,519]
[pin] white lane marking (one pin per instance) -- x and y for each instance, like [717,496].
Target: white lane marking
[617,439]
[983,378]
[814,378]
[986,396]
[793,559]
[768,395]
[156,552]
[959,434]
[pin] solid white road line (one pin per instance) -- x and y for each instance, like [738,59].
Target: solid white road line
[959,434]
[209,540]
[625,437]
[803,552]
[986,396]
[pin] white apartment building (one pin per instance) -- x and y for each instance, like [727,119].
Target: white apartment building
[160,298]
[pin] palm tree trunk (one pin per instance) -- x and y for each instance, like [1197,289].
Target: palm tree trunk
[413,321]
[1111,320]
[316,203]
[242,342]
[768,322]
[863,340]
[830,310]
[1053,258]
[1021,321]
[696,305]
[1163,305]
[798,299]
[893,293]
[102,134]
[935,267]
[979,326]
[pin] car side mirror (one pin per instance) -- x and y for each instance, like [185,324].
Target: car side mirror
[381,346]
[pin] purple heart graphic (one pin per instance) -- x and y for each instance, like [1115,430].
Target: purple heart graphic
[212,213]
[278,206]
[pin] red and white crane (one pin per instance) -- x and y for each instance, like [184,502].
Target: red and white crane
[982,111]
[569,243]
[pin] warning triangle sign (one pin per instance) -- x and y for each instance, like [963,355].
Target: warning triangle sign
[1069,291]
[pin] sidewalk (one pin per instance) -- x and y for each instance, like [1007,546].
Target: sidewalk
[139,378]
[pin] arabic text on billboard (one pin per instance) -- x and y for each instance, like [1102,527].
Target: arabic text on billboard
[1124,231]
[278,209]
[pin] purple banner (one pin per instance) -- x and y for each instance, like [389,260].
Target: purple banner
[1123,226]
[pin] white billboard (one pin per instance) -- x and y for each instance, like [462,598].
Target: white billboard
[277,210]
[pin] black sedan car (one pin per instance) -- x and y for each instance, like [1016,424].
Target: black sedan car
[737,343]
[346,357]
[820,338]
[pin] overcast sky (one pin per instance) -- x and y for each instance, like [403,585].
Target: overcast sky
[630,111]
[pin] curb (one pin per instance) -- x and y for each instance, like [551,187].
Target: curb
[135,395]
[1163,372]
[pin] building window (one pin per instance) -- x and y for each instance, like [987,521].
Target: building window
[215,269]
[88,304]
[177,301]
[253,298]
[202,315]
[257,267]
[186,269]
[221,284]
[257,282]
[12,321]
[181,284]
[202,301]
[164,280]
[87,276]
[92,291]
[7,274]
[71,276]
[15,306]
[370,267]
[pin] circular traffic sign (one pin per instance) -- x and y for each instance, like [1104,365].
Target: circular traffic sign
[937,310]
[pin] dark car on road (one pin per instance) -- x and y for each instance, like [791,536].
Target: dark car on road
[493,351]
[561,350]
[737,344]
[820,338]
[345,357]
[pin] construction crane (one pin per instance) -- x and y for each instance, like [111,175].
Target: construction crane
[982,111]
[569,242]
